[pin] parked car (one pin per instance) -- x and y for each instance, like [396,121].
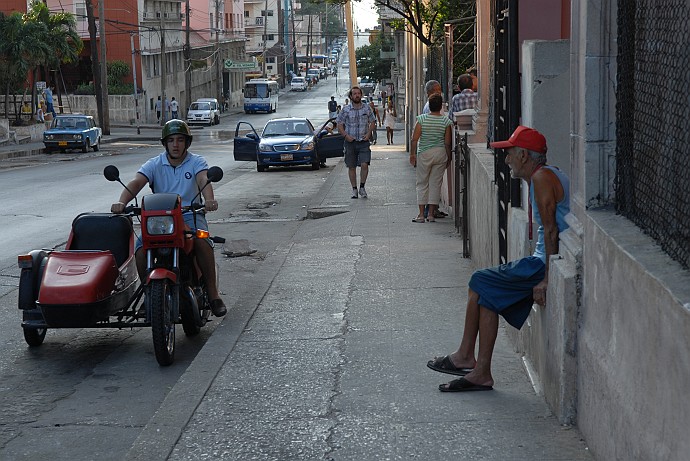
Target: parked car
[204,111]
[298,84]
[72,131]
[287,142]
[313,73]
[367,84]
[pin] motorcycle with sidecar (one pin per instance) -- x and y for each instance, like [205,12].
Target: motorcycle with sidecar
[93,282]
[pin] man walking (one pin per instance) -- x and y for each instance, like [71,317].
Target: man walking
[510,290]
[158,109]
[332,108]
[356,122]
[174,107]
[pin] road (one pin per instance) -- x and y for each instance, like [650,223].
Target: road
[87,393]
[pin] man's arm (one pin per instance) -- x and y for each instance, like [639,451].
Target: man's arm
[210,202]
[135,185]
[547,191]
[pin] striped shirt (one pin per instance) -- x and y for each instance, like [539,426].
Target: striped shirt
[433,131]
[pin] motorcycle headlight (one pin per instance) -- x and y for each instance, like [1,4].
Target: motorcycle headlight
[307,145]
[160,225]
[265,148]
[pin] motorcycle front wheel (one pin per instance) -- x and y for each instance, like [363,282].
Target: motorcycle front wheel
[162,324]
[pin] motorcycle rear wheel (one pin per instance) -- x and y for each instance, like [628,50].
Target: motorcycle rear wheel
[162,324]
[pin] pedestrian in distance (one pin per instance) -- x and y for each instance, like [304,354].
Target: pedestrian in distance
[374,134]
[332,108]
[388,120]
[430,154]
[356,122]
[181,172]
[40,113]
[431,87]
[158,109]
[48,95]
[174,108]
[510,289]
[466,98]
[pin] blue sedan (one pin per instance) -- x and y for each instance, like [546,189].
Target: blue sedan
[73,131]
[287,142]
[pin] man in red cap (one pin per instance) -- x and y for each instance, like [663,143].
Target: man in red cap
[510,290]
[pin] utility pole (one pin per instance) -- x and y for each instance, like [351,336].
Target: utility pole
[265,15]
[295,64]
[351,43]
[219,60]
[164,112]
[187,63]
[105,121]
[94,60]
[134,78]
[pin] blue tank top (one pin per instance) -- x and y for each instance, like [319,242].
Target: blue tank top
[562,209]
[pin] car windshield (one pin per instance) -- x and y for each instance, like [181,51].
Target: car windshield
[287,128]
[66,122]
[200,106]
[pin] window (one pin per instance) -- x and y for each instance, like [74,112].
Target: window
[80,10]
[246,14]
[266,12]
[268,37]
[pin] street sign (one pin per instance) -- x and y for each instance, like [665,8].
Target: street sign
[229,64]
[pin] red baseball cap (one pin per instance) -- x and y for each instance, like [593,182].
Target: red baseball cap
[525,137]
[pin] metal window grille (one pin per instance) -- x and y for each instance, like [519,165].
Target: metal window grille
[652,113]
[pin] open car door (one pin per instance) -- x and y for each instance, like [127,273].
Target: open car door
[329,145]
[246,146]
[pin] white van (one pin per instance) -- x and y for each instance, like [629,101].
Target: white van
[204,111]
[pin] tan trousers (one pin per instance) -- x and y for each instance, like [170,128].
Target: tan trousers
[430,167]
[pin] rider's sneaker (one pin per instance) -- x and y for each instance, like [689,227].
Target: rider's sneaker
[362,192]
[218,307]
[354,194]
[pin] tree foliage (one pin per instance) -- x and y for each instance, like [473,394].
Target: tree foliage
[369,62]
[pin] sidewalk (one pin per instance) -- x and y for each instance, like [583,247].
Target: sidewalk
[325,357]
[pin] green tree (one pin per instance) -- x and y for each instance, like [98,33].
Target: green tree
[62,37]
[369,62]
[22,48]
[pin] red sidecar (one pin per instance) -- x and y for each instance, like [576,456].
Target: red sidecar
[92,283]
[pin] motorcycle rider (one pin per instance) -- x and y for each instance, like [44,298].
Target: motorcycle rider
[181,172]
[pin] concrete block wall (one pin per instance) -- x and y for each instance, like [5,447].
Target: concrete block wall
[633,346]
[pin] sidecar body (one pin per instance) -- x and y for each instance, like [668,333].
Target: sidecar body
[92,283]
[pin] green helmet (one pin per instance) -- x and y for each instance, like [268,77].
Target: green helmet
[176,127]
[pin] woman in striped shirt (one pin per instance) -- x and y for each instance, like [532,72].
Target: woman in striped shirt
[432,133]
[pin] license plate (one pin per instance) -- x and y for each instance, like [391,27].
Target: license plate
[62,143]
[285,157]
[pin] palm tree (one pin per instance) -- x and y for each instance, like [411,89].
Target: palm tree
[62,37]
[21,49]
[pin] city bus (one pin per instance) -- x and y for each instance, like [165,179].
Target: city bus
[260,95]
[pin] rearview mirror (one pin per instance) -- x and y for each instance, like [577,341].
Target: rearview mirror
[111,173]
[214,174]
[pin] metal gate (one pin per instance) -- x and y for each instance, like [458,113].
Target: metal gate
[506,109]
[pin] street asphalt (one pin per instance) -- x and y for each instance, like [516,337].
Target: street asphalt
[324,356]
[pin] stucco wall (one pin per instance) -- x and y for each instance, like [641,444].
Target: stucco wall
[634,352]
[483,207]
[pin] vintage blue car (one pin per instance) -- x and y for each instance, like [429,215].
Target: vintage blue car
[288,142]
[72,131]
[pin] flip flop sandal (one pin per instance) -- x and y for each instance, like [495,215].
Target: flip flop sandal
[445,365]
[418,219]
[462,385]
